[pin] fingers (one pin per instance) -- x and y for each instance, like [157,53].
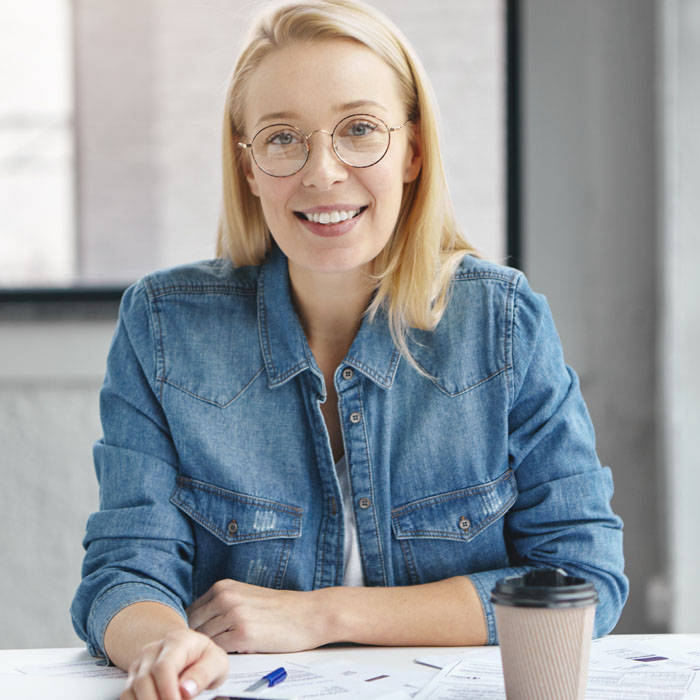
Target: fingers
[238,641]
[198,617]
[164,672]
[142,688]
[215,626]
[217,610]
[209,671]
[180,665]
[139,684]
[228,612]
[221,585]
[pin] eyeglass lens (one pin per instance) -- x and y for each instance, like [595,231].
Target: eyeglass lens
[360,140]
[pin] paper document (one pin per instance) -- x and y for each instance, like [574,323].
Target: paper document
[322,680]
[646,653]
[645,667]
[474,677]
[81,669]
[629,667]
[400,683]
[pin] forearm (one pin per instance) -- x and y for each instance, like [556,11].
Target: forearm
[137,625]
[444,613]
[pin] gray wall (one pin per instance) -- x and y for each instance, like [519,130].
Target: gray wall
[48,422]
[612,205]
[679,252]
[590,239]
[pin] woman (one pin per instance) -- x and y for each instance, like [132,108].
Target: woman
[354,429]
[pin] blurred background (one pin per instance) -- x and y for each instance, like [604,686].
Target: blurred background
[569,134]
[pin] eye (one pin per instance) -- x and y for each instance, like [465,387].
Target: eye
[282,138]
[359,128]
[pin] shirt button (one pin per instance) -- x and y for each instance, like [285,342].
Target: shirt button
[464,524]
[364,503]
[232,528]
[355,417]
[348,373]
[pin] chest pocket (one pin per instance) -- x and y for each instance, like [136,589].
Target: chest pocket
[257,533]
[450,534]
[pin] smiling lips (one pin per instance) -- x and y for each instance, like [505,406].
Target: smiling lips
[325,221]
[330,216]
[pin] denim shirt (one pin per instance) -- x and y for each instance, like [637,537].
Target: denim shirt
[216,462]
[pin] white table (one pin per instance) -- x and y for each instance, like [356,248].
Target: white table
[19,686]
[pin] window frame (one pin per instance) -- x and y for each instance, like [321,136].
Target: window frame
[26,303]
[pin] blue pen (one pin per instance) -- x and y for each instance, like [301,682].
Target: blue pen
[272,678]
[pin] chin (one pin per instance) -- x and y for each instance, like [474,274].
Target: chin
[337,261]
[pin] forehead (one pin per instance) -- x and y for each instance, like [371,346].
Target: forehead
[319,80]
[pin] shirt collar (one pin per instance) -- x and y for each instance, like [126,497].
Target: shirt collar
[284,345]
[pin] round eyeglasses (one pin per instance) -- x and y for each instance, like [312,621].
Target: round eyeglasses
[359,141]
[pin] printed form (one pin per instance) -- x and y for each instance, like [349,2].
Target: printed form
[634,667]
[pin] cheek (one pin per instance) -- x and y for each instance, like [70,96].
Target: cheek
[273,194]
[386,186]
[385,176]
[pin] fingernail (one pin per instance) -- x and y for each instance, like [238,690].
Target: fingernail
[189,687]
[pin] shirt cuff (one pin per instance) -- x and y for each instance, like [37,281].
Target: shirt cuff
[116,599]
[484,582]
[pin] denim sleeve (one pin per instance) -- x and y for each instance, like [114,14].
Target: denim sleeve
[562,516]
[139,546]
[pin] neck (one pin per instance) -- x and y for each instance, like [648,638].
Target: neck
[330,306]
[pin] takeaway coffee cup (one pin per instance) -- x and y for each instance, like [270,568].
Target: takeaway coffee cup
[545,626]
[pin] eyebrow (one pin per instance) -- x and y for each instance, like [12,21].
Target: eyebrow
[359,103]
[272,116]
[346,106]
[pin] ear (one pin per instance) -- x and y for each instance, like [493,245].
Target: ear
[414,154]
[250,173]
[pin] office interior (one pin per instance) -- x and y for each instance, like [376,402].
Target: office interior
[608,203]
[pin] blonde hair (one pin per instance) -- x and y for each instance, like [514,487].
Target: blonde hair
[414,270]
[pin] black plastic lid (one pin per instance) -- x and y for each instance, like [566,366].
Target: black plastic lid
[544,588]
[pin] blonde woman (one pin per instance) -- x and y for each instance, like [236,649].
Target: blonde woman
[347,427]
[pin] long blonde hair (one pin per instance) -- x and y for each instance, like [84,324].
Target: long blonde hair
[414,270]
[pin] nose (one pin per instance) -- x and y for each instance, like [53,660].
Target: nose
[323,168]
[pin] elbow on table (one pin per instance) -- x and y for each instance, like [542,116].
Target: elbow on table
[613,589]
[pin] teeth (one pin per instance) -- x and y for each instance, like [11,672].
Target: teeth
[331,217]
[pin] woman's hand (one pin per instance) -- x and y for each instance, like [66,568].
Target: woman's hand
[180,665]
[244,618]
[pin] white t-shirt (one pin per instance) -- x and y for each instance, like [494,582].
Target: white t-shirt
[353,566]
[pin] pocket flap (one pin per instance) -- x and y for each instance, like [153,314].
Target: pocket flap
[235,517]
[456,515]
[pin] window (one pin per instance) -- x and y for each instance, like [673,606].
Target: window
[110,121]
[37,224]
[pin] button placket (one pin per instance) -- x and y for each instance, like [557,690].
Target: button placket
[357,443]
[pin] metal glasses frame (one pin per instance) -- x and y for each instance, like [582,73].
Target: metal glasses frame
[307,146]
